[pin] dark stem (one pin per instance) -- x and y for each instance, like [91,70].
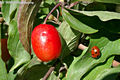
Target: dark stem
[48,73]
[50,70]
[51,12]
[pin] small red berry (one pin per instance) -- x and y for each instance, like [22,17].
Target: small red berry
[95,52]
[46,42]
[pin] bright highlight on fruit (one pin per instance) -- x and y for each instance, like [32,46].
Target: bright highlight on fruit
[46,42]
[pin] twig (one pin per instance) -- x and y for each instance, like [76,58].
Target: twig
[57,14]
[0,12]
[51,12]
[48,73]
[50,70]
[0,5]
[114,64]
[62,69]
[81,46]
[55,22]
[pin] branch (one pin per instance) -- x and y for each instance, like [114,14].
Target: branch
[115,63]
[50,70]
[82,47]
[51,12]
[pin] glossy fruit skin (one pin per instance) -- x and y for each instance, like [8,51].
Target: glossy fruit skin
[95,52]
[46,42]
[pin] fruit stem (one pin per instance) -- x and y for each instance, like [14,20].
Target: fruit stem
[51,12]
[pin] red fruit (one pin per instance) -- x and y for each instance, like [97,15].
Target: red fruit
[95,52]
[46,42]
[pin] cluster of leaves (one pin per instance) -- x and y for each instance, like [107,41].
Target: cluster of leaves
[96,21]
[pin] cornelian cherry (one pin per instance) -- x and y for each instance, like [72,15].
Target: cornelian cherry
[46,42]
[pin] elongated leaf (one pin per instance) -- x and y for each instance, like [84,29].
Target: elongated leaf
[76,24]
[32,70]
[8,10]
[112,26]
[108,44]
[52,76]
[98,69]
[109,1]
[3,72]
[65,50]
[70,36]
[96,19]
[26,16]
[11,75]
[49,1]
[108,72]
[104,1]
[15,47]
[0,39]
[103,15]
[39,70]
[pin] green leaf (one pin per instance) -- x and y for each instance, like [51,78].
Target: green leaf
[96,19]
[96,7]
[34,61]
[75,60]
[83,0]
[108,1]
[112,26]
[24,68]
[33,72]
[107,74]
[65,50]
[34,69]
[95,72]
[11,75]
[52,77]
[70,36]
[19,54]
[26,17]
[3,71]
[104,1]
[50,1]
[108,44]
[103,15]
[8,10]
[4,29]
[76,24]
[117,8]
[0,39]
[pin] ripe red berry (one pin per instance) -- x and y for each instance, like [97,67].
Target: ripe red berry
[95,52]
[46,42]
